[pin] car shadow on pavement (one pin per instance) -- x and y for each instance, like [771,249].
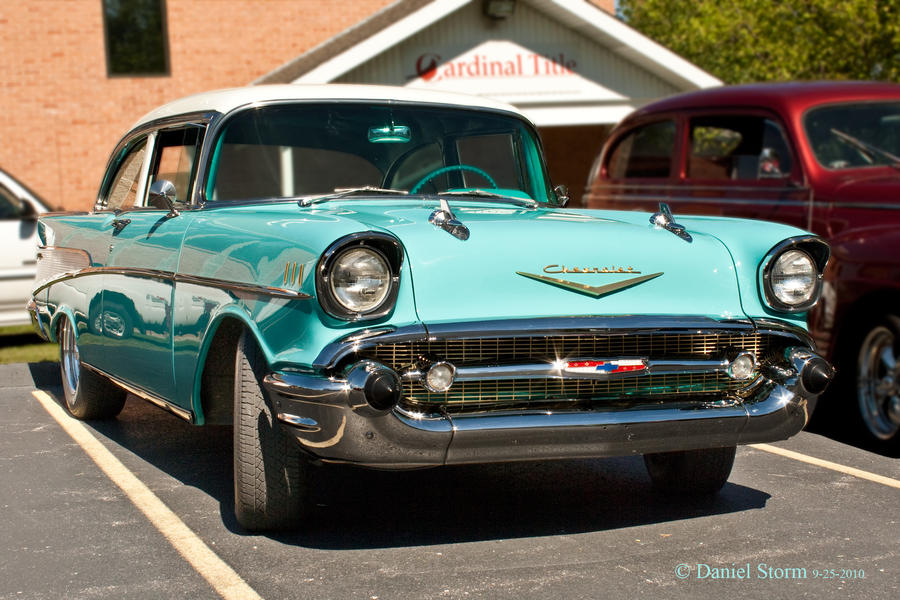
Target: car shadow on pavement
[355,508]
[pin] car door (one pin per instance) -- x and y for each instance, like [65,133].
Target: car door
[741,164]
[638,170]
[145,244]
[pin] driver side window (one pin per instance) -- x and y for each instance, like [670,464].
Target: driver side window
[175,159]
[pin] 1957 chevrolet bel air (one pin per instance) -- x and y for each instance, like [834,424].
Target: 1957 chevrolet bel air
[386,277]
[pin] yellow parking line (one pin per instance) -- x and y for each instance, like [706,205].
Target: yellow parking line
[829,465]
[213,569]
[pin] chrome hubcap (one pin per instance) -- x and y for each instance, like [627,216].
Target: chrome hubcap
[69,362]
[879,383]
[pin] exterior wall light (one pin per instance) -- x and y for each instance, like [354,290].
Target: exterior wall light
[499,9]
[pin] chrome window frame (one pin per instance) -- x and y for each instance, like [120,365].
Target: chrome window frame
[217,122]
[204,120]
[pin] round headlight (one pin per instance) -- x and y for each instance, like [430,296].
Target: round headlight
[793,278]
[360,279]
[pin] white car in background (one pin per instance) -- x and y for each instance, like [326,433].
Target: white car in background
[19,211]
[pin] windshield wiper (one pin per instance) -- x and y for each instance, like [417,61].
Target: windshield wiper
[479,193]
[866,147]
[345,192]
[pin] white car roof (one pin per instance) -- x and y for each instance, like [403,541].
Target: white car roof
[223,101]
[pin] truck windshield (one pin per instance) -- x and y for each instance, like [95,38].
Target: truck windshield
[311,149]
[854,135]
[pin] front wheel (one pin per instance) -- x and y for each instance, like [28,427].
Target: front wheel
[269,469]
[88,395]
[878,381]
[694,472]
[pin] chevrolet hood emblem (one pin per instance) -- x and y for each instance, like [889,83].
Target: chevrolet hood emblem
[595,291]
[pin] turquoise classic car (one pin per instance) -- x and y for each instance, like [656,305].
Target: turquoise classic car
[386,277]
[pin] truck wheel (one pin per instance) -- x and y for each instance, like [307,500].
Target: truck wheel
[88,395]
[694,472]
[877,381]
[269,469]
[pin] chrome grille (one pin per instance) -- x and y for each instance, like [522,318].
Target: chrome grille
[518,349]
[534,393]
[537,393]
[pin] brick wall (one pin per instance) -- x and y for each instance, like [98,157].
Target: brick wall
[61,115]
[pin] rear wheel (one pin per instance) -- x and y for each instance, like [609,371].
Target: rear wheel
[87,394]
[694,472]
[269,469]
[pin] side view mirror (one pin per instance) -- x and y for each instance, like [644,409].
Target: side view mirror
[163,195]
[562,195]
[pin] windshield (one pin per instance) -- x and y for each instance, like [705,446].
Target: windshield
[297,150]
[847,136]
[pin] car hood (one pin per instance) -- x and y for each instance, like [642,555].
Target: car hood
[504,268]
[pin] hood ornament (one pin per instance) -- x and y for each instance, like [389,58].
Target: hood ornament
[665,220]
[444,218]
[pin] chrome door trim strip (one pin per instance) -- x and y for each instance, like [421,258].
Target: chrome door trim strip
[262,290]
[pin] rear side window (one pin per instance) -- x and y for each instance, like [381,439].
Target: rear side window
[737,147]
[646,152]
[124,182]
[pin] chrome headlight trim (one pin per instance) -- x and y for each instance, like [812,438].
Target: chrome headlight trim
[812,246]
[386,247]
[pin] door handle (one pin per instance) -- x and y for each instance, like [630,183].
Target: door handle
[120,224]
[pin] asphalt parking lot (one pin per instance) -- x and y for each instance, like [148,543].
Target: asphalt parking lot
[781,528]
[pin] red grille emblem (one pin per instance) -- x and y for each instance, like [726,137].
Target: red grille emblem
[630,365]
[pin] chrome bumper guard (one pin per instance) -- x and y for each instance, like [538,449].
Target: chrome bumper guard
[333,420]
[34,311]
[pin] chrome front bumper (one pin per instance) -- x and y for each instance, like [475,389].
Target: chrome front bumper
[332,421]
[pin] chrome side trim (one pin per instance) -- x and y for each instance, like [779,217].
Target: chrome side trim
[711,201]
[145,395]
[250,288]
[263,290]
[555,371]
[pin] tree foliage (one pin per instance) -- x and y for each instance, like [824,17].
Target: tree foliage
[766,40]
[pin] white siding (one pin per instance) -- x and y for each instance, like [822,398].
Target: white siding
[602,89]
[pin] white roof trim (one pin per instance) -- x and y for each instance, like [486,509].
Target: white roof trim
[586,18]
[561,116]
[224,101]
[386,38]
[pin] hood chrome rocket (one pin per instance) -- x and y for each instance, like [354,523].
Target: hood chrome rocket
[665,220]
[444,218]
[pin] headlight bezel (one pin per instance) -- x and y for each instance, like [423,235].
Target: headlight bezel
[816,249]
[385,246]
